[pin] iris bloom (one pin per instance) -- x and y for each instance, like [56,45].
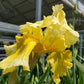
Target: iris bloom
[55,39]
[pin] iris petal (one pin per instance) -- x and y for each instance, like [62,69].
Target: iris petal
[56,9]
[19,58]
[60,62]
[10,49]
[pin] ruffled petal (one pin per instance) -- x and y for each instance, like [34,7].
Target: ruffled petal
[49,20]
[60,62]
[71,36]
[54,39]
[33,30]
[56,9]
[10,49]
[20,40]
[61,17]
[27,28]
[20,57]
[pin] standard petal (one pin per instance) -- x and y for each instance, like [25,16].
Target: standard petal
[61,17]
[27,28]
[47,21]
[56,9]
[71,36]
[54,38]
[33,30]
[37,34]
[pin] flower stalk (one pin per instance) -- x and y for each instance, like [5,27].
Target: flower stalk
[73,23]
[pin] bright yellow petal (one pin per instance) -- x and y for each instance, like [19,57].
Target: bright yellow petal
[38,24]
[58,44]
[60,62]
[47,21]
[71,36]
[20,40]
[37,34]
[33,30]
[10,49]
[19,58]
[54,39]
[56,9]
[61,17]
[27,28]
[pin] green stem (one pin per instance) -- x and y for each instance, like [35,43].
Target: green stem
[73,22]
[43,76]
[37,70]
[74,66]
[43,63]
[69,77]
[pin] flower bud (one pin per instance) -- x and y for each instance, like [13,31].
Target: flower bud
[75,5]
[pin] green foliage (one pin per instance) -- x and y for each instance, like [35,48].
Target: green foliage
[79,65]
[43,76]
[81,78]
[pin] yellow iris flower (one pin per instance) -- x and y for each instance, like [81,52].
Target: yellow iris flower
[55,39]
